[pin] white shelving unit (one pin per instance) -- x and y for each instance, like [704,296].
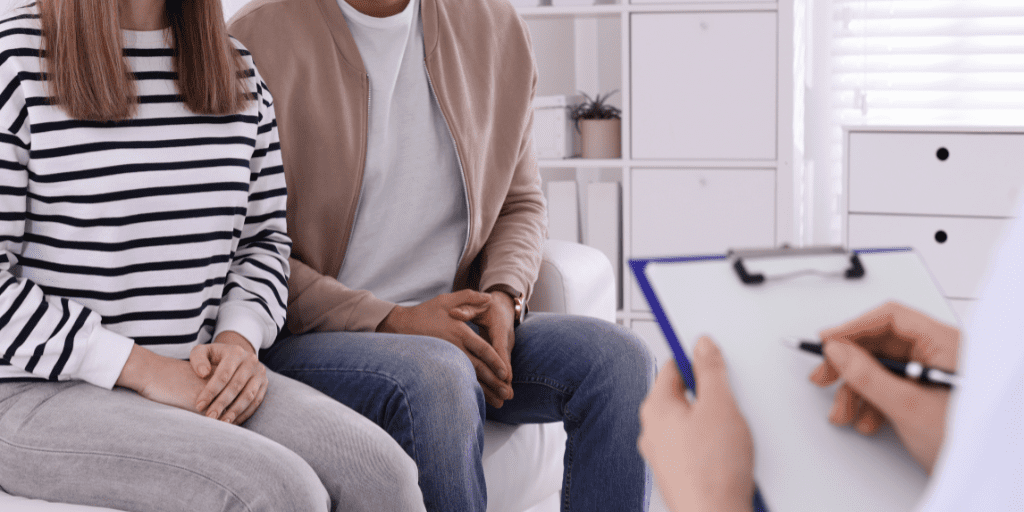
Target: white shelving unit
[706,92]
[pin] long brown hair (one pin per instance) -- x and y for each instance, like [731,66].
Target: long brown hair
[90,79]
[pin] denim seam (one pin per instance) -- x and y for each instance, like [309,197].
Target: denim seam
[553,385]
[538,379]
[126,457]
[567,485]
[397,384]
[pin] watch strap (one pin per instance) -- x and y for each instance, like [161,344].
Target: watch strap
[519,306]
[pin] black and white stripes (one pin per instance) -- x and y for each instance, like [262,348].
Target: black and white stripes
[161,230]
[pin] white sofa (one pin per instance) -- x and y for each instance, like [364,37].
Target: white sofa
[522,464]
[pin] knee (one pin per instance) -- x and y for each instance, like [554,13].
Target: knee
[619,354]
[445,380]
[276,478]
[634,356]
[376,474]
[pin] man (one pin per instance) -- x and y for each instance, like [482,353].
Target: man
[406,132]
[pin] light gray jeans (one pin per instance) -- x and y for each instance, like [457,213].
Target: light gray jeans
[73,442]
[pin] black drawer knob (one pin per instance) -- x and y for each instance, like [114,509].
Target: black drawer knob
[940,236]
[942,154]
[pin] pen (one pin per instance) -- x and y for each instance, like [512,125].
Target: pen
[911,369]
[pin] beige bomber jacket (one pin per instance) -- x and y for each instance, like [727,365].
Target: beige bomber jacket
[480,64]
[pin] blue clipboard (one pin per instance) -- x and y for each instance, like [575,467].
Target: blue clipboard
[640,268]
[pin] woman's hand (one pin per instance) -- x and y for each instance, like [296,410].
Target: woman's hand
[870,394]
[237,380]
[161,379]
[701,453]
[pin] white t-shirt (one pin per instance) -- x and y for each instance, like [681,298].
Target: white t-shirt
[982,463]
[411,226]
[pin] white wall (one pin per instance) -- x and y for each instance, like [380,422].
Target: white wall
[230,6]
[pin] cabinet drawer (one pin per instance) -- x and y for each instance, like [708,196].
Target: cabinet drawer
[684,212]
[958,264]
[981,174]
[704,85]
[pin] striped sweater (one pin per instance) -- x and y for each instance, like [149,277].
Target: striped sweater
[163,230]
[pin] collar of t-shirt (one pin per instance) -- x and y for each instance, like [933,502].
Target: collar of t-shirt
[381,41]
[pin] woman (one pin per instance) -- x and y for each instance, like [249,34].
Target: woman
[143,262]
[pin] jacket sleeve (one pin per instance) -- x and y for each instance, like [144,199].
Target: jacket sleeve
[317,302]
[511,256]
[253,302]
[51,337]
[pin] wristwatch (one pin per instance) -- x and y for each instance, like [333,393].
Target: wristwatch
[519,307]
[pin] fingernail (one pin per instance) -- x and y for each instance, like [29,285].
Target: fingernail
[817,374]
[506,393]
[212,414]
[864,425]
[833,415]
[202,405]
[702,348]
[837,353]
[229,418]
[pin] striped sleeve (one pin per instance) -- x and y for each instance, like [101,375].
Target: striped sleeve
[255,296]
[50,337]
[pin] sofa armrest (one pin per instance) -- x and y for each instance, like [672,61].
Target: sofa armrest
[574,279]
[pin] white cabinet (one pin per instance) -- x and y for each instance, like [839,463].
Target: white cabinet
[948,193]
[699,211]
[704,85]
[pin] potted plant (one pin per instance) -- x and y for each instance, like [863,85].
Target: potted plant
[600,127]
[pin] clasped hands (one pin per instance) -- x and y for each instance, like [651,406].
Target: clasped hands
[446,317]
[701,451]
[223,380]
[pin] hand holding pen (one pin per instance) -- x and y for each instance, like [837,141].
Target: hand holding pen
[912,370]
[871,394]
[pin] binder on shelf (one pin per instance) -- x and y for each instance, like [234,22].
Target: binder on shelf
[563,211]
[603,226]
[747,301]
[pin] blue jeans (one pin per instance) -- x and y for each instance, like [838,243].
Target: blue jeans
[587,373]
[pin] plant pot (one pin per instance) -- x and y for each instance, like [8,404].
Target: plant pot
[601,138]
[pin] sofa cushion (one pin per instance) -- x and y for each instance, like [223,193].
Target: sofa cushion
[522,464]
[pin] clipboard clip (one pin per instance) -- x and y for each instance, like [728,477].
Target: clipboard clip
[856,270]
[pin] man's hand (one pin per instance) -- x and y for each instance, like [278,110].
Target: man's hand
[237,380]
[870,394]
[441,317]
[161,379]
[701,453]
[496,322]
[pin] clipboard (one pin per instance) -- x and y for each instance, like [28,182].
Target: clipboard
[747,301]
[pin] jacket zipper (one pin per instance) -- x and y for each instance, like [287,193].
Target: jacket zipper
[458,160]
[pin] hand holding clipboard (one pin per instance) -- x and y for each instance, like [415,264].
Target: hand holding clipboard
[678,436]
[802,462]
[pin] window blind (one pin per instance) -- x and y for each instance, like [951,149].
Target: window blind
[900,63]
[931,62]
